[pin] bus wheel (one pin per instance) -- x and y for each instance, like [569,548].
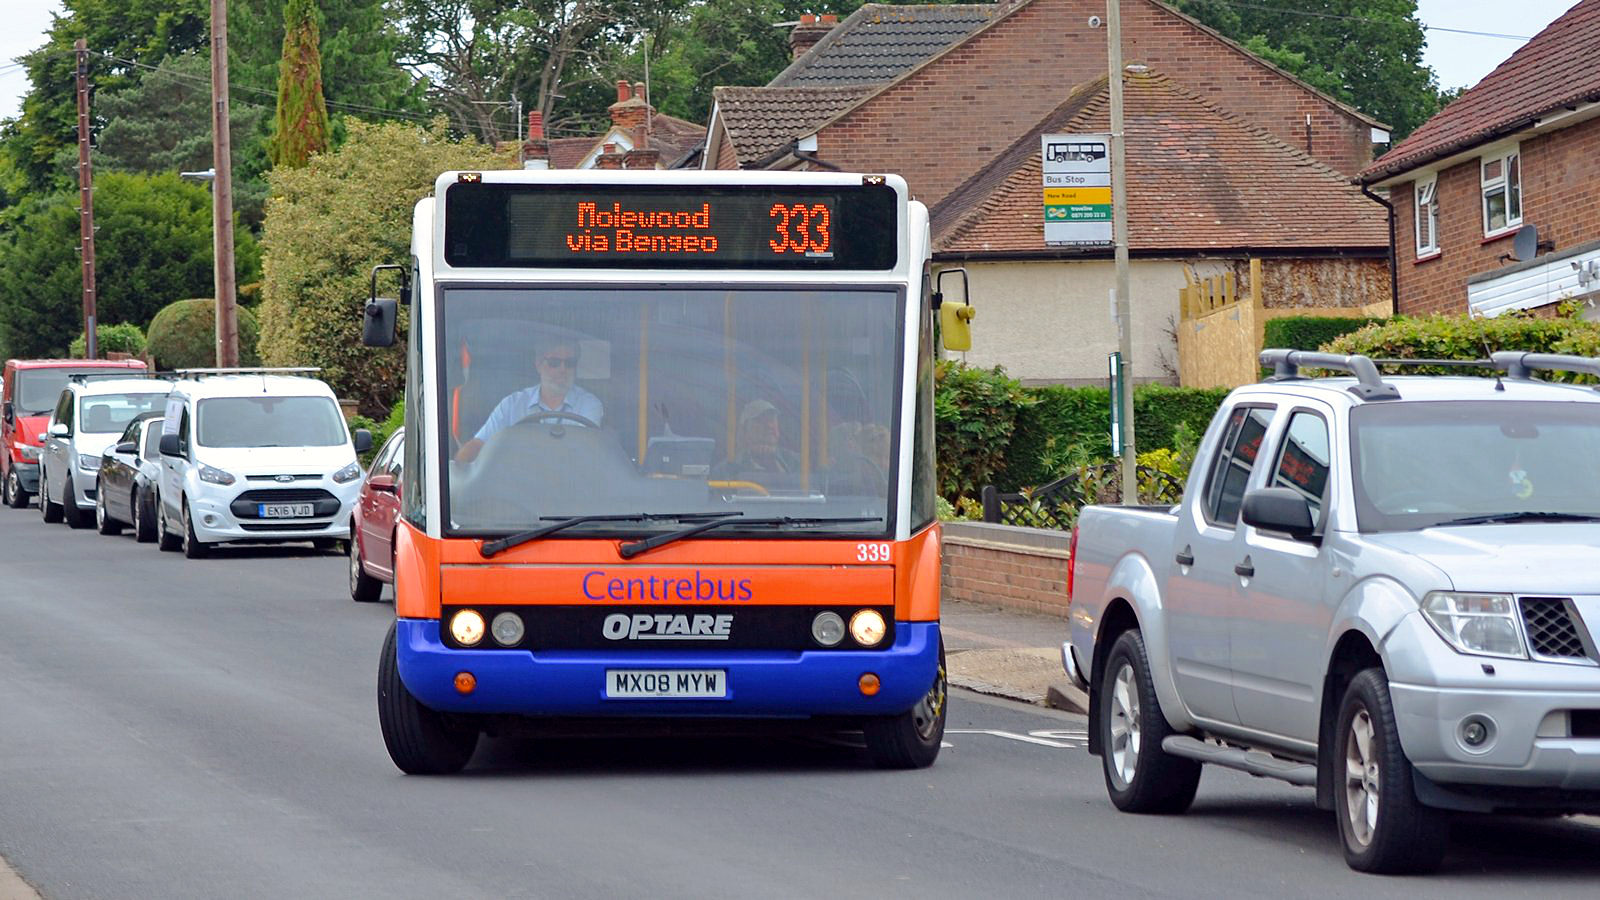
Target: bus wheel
[420,740]
[911,740]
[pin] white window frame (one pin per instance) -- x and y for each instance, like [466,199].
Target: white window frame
[1425,203]
[1501,184]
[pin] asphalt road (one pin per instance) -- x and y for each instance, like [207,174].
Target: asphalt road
[173,728]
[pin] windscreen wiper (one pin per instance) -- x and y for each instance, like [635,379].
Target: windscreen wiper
[1529,516]
[562,523]
[634,548]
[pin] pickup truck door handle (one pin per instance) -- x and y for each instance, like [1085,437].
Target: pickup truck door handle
[1185,556]
[1245,569]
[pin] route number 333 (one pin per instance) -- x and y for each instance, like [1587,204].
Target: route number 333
[878,552]
[801,228]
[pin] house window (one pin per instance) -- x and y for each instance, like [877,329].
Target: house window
[1427,217]
[1502,191]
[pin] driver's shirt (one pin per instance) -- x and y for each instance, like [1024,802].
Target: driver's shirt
[516,407]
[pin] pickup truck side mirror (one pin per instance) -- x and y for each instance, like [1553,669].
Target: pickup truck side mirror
[169,445]
[1279,509]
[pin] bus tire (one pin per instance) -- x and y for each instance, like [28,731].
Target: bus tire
[421,741]
[911,740]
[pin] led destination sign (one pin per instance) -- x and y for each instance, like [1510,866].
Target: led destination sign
[618,226]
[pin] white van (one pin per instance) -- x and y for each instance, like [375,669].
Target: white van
[255,455]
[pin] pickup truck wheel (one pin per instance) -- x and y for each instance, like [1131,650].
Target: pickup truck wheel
[421,741]
[912,739]
[1381,824]
[1140,776]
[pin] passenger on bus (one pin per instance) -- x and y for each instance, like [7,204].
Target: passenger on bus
[758,450]
[557,362]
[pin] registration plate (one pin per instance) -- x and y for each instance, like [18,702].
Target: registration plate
[666,683]
[285,510]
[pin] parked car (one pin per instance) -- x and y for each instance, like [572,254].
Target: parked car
[255,456]
[1384,588]
[89,415]
[130,469]
[372,525]
[29,391]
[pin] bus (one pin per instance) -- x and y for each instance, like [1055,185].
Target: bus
[669,460]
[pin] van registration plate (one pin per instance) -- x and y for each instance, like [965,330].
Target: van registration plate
[285,510]
[635,683]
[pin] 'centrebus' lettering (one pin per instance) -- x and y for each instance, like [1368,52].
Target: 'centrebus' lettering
[618,230]
[598,586]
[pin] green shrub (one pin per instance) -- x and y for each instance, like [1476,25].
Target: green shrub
[1309,332]
[976,411]
[1462,337]
[123,337]
[183,335]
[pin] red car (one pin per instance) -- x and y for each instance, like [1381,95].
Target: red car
[29,392]
[373,523]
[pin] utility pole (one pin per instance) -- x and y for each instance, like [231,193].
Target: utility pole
[86,204]
[1119,227]
[222,191]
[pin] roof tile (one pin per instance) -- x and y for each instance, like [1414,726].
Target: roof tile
[761,120]
[880,40]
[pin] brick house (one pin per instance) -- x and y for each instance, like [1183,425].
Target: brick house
[1520,149]
[639,138]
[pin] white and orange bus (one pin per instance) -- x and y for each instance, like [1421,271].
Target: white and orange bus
[669,456]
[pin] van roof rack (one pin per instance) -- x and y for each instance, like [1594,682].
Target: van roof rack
[118,375]
[1522,365]
[1285,365]
[251,370]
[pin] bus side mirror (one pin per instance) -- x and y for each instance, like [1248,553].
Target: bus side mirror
[955,329]
[378,321]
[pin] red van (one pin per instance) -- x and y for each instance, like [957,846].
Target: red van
[28,395]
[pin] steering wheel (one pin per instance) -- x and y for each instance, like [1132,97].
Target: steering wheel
[541,415]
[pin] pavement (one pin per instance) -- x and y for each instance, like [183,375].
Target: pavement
[1008,654]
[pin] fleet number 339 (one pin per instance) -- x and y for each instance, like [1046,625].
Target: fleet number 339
[872,552]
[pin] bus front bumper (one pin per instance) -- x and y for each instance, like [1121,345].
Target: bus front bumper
[759,683]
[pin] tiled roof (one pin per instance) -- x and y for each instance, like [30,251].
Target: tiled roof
[566,153]
[1199,179]
[675,138]
[761,120]
[1554,70]
[880,40]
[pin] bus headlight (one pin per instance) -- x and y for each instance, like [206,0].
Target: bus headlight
[466,626]
[507,629]
[867,627]
[827,629]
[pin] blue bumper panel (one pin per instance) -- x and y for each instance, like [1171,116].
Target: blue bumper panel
[761,683]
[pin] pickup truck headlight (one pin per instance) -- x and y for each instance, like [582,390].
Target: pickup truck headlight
[347,474]
[28,452]
[1483,624]
[88,464]
[215,476]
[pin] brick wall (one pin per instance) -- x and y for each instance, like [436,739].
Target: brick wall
[1023,569]
[939,125]
[1560,194]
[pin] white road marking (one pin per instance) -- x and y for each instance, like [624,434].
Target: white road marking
[1012,736]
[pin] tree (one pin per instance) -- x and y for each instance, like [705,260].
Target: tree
[153,246]
[328,223]
[301,128]
[1367,53]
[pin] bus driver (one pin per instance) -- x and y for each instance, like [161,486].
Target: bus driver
[557,362]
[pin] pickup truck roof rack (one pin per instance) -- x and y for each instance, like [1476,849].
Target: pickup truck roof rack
[1522,365]
[1285,365]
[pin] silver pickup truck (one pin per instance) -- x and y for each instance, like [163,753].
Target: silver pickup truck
[1386,588]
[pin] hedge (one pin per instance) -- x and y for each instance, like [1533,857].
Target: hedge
[1461,337]
[1310,332]
[123,337]
[183,335]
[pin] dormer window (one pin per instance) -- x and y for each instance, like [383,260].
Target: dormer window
[1427,216]
[1502,191]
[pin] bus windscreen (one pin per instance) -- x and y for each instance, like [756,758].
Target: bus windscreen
[841,227]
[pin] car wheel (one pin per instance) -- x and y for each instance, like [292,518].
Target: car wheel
[1140,776]
[1381,824]
[363,587]
[15,496]
[144,526]
[912,739]
[51,512]
[421,741]
[165,538]
[193,547]
[71,513]
[103,522]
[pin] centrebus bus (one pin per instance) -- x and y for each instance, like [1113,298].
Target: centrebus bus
[669,456]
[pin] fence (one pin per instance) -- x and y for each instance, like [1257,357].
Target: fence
[1055,505]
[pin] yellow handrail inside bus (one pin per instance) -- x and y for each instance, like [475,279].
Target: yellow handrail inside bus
[740,484]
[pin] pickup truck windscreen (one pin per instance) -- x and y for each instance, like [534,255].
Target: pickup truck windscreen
[1419,465]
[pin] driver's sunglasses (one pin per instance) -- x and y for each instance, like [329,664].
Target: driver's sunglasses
[554,362]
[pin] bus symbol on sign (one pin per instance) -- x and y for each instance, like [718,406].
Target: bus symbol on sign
[1079,151]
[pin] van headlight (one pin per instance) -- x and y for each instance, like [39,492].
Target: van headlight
[347,474]
[88,464]
[1482,624]
[215,476]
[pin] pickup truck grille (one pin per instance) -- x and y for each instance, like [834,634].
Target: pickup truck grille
[1552,627]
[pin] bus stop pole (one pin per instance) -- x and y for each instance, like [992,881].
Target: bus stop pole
[1119,227]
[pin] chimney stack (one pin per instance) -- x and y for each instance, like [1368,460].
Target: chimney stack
[631,113]
[536,150]
[808,32]
[641,159]
[609,158]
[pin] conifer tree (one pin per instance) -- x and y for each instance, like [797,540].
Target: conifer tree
[301,128]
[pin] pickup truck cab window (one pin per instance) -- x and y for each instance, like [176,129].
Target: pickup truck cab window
[1303,459]
[1236,457]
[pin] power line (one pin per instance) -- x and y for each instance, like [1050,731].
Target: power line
[1365,19]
